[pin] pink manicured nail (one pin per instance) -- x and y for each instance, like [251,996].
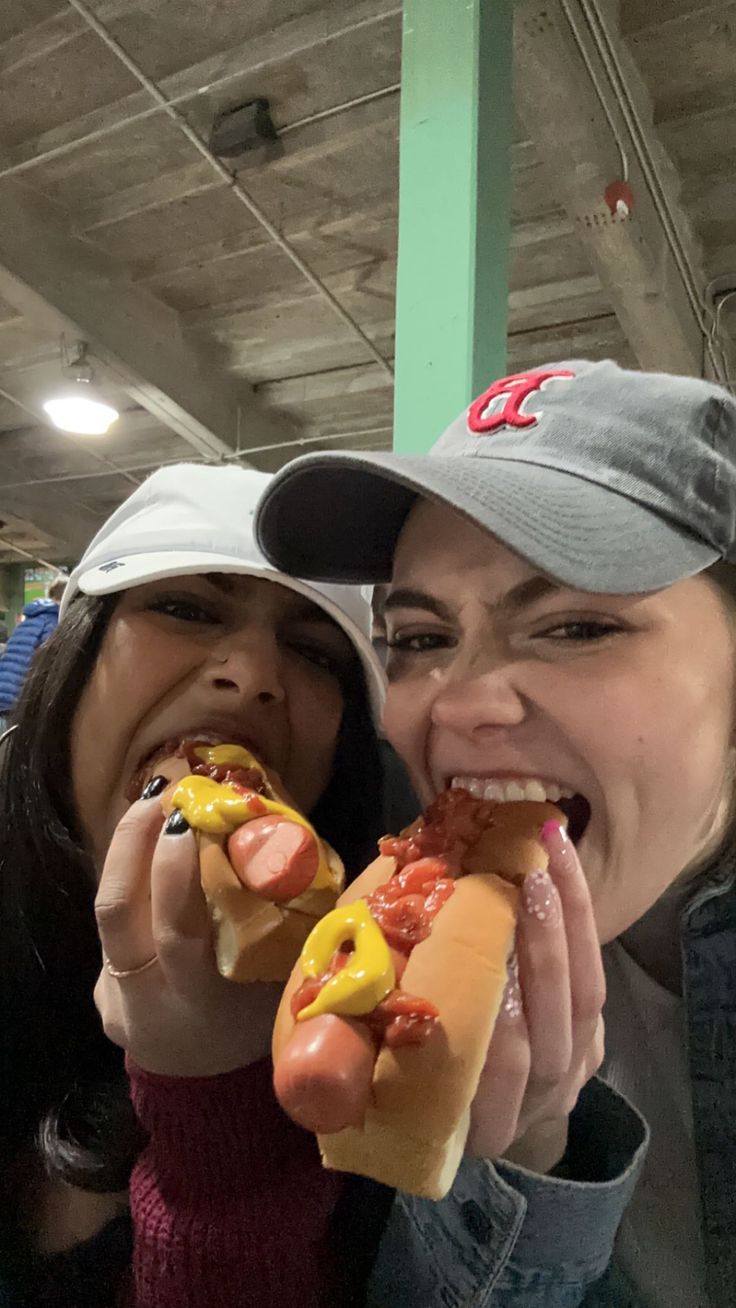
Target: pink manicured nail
[511,1005]
[540,897]
[553,831]
[559,847]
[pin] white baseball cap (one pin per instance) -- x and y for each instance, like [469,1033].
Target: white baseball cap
[193,518]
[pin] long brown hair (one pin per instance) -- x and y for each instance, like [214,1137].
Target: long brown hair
[64,1094]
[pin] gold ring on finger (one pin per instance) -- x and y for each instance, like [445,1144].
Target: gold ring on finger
[120,975]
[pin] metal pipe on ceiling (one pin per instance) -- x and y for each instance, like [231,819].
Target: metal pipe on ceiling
[600,33]
[604,46]
[99,134]
[381,94]
[236,455]
[236,187]
[6,544]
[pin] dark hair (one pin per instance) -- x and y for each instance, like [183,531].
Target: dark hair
[65,1097]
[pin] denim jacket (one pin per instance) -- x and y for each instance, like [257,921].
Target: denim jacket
[505,1238]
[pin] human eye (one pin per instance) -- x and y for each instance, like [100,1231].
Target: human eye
[323,651]
[418,642]
[317,654]
[580,631]
[184,608]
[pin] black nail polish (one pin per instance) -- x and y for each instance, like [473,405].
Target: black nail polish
[176,824]
[154,787]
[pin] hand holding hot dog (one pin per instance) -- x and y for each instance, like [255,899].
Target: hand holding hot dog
[548,1041]
[225,893]
[178,1016]
[401,989]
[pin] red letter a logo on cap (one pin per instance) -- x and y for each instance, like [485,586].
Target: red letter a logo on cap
[516,389]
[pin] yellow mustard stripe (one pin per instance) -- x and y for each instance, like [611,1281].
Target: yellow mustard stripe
[219,809]
[367,977]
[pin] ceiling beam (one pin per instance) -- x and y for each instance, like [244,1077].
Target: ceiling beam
[61,524]
[589,134]
[232,74]
[65,284]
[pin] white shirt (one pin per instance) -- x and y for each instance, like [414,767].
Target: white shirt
[659,1244]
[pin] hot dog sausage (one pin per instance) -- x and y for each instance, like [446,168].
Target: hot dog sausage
[323,1076]
[275,858]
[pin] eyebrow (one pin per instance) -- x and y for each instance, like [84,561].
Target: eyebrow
[519,597]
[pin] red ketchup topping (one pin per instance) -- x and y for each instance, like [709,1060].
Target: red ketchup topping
[227,774]
[429,858]
[453,823]
[404,908]
[250,779]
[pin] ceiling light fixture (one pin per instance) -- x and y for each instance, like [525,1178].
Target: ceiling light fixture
[76,406]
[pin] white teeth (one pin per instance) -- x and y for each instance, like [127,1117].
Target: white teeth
[509,791]
[492,790]
[514,791]
[535,790]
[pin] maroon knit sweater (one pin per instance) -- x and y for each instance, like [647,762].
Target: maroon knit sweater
[231,1207]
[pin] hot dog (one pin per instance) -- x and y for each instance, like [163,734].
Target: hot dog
[383,1029]
[266,874]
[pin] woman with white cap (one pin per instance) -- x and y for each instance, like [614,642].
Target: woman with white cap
[559,609]
[173,623]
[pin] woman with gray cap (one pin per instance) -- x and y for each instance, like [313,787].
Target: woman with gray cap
[173,626]
[559,611]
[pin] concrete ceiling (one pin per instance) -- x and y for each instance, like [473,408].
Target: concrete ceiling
[250,306]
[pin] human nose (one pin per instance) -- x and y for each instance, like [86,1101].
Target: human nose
[247,667]
[477,696]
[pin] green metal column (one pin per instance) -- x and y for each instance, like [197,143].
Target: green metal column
[454,211]
[11,592]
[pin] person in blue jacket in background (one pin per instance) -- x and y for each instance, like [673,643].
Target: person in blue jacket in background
[40,619]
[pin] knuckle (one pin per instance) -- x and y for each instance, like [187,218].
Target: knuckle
[597,1051]
[588,1003]
[114,1028]
[99,995]
[515,1064]
[169,947]
[548,1073]
[111,910]
[131,821]
[586,1011]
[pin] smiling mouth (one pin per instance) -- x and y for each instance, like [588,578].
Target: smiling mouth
[575,806]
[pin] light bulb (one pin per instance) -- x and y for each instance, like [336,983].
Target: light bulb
[75,411]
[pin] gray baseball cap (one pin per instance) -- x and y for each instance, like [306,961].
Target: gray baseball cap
[605,479]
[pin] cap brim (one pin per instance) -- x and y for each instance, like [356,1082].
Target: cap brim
[137,569]
[337,517]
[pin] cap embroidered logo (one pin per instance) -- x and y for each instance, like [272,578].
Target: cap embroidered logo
[516,389]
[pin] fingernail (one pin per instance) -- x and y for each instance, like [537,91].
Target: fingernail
[154,787]
[553,830]
[511,1005]
[540,897]
[176,824]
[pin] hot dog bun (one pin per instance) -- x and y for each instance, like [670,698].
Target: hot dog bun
[255,937]
[417,1116]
